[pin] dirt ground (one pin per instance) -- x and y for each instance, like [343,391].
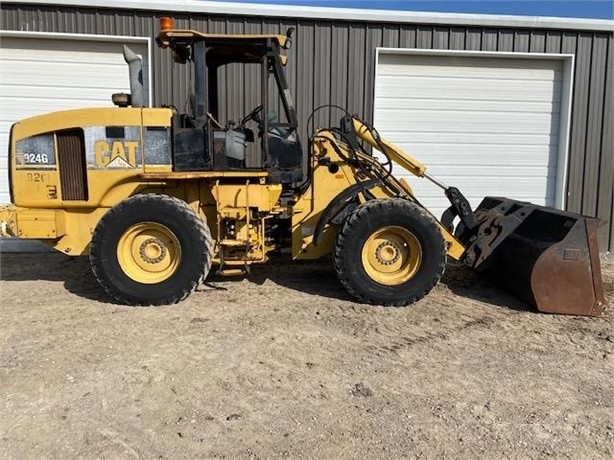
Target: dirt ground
[284,364]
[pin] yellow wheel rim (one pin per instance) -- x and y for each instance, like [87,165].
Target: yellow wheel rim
[391,256]
[149,252]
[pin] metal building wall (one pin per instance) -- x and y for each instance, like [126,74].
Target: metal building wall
[332,62]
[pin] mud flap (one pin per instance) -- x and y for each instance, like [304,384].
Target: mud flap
[548,258]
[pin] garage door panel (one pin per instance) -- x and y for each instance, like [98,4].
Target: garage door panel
[73,63]
[470,122]
[72,75]
[411,138]
[447,73]
[527,189]
[474,173]
[466,66]
[73,97]
[488,125]
[476,157]
[495,172]
[422,103]
[73,80]
[474,77]
[431,197]
[488,90]
[524,190]
[50,50]
[472,151]
[44,74]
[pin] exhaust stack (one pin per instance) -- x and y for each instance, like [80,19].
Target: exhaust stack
[136,77]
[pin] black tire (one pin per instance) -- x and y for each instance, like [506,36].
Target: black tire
[151,250]
[389,252]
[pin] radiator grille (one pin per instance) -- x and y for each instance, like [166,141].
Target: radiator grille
[71,157]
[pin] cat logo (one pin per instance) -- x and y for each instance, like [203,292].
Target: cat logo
[118,154]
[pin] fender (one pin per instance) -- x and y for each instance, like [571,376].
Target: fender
[338,203]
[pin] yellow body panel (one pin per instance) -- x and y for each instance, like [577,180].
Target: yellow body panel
[32,223]
[156,117]
[80,225]
[37,189]
[306,212]
[67,231]
[326,183]
[35,186]
[64,119]
[262,197]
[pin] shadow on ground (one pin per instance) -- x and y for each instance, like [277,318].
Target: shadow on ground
[74,272]
[311,277]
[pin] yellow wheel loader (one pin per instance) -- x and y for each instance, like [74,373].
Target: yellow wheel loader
[157,197]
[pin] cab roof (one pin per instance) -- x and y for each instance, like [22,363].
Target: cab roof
[221,48]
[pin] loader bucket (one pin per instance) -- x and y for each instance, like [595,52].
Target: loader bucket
[546,257]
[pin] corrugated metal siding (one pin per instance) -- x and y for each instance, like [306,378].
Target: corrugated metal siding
[333,62]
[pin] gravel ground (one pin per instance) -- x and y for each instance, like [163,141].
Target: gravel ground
[284,364]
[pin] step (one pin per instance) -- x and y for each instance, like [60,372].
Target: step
[232,272]
[231,243]
[240,262]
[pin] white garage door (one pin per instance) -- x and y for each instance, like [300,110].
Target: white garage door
[44,73]
[487,125]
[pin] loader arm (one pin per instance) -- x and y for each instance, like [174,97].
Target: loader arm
[459,205]
[354,126]
[397,155]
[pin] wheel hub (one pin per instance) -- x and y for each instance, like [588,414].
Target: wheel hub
[388,252]
[153,250]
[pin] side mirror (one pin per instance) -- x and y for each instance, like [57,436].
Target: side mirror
[289,34]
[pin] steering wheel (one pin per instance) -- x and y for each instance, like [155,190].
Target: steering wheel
[253,115]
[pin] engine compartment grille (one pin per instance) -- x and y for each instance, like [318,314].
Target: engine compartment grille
[73,170]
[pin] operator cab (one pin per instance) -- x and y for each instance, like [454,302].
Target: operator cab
[211,138]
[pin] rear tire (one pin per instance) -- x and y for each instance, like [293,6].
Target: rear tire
[389,252]
[151,250]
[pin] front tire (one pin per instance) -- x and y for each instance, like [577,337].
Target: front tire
[151,250]
[389,252]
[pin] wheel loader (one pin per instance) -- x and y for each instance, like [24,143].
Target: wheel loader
[158,197]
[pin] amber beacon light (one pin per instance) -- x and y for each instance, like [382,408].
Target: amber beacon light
[166,23]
